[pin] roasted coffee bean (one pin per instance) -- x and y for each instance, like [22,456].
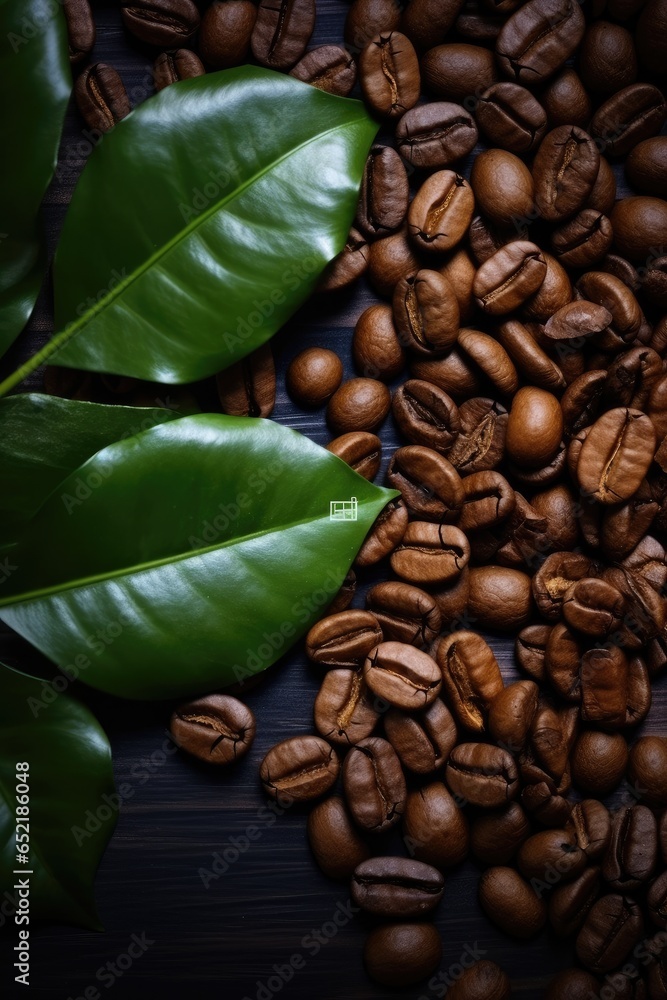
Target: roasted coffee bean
[508,278]
[328,67]
[569,904]
[389,74]
[544,806]
[566,100]
[101,97]
[656,899]
[218,729]
[511,903]
[635,113]
[482,981]
[367,18]
[299,768]
[361,450]
[599,761]
[562,661]
[485,238]
[604,683]
[503,186]
[616,455]
[422,740]
[164,23]
[343,639]
[648,769]
[554,292]
[430,554]
[347,266]
[594,607]
[480,444]
[583,240]
[226,29]
[374,784]
[471,677]
[538,38]
[616,297]
[482,774]
[633,849]
[490,358]
[655,283]
[388,530]
[577,320]
[459,268]
[646,166]
[383,201]
[402,954]
[396,887]
[430,485]
[650,37]
[488,499]
[435,135]
[499,598]
[607,59]
[548,850]
[555,576]
[390,260]
[496,836]
[80,29]
[344,597]
[248,387]
[511,117]
[360,404]
[511,714]
[581,401]
[648,560]
[454,374]
[344,707]
[573,984]
[403,675]
[565,169]
[282,32]
[559,506]
[529,648]
[426,415]
[591,824]
[427,22]
[404,612]
[170,67]
[334,839]
[376,347]
[534,428]
[440,212]
[436,827]
[631,377]
[640,224]
[603,195]
[426,313]
[453,72]
[452,599]
[549,743]
[612,928]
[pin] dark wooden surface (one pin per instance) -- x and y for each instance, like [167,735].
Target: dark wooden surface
[225,940]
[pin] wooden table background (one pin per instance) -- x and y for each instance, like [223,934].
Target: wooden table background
[223,941]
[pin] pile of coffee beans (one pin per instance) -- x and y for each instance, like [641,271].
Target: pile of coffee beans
[524,309]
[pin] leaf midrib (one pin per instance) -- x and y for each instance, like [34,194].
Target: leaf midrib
[72,329]
[167,560]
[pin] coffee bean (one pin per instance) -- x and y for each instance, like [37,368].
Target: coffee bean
[635,113]
[573,984]
[530,648]
[334,840]
[656,899]
[607,59]
[648,769]
[423,740]
[430,485]
[361,450]
[538,38]
[313,376]
[440,212]
[547,851]
[482,774]
[282,32]
[248,387]
[510,902]
[594,607]
[385,535]
[360,404]
[599,761]
[376,347]
[343,639]
[626,317]
[405,613]
[496,836]
[217,729]
[566,100]
[430,553]
[577,320]
[164,23]
[299,768]
[367,18]
[226,29]
[482,981]
[604,683]
[583,240]
[564,171]
[603,195]
[480,444]
[344,709]
[396,887]
[345,595]
[508,278]
[503,186]
[427,22]
[402,954]
[80,29]
[511,117]
[499,598]
[328,67]
[633,849]
[488,500]
[554,292]
[101,97]
[435,135]
[426,313]
[591,825]
[646,166]
[612,928]
[534,428]
[511,714]
[170,67]
[383,201]
[616,455]
[455,71]
[435,826]
[490,358]
[374,784]
[389,74]
[640,225]
[569,904]
[391,259]
[403,675]
[347,266]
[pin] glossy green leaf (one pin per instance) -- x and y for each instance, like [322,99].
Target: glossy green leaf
[202,221]
[44,438]
[193,555]
[71,798]
[35,81]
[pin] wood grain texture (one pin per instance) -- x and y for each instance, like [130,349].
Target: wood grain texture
[233,937]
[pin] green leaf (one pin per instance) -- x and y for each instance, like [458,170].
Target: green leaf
[69,774]
[44,438]
[35,81]
[203,549]
[202,221]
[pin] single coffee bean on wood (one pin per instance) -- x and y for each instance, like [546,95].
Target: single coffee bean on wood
[101,97]
[402,954]
[335,840]
[170,67]
[403,675]
[226,29]
[374,784]
[511,903]
[313,376]
[217,729]
[482,774]
[422,740]
[80,29]
[300,768]
[396,887]
[328,67]
[164,23]
[282,32]
[404,612]
[389,74]
[361,450]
